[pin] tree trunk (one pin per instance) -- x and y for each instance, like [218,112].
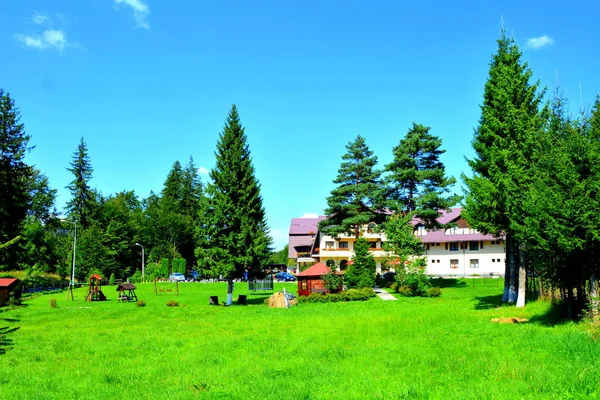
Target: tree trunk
[522,280]
[229,292]
[594,301]
[506,269]
[511,259]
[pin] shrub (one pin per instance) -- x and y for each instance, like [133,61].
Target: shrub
[142,303]
[405,291]
[333,281]
[111,280]
[52,303]
[433,292]
[172,303]
[395,287]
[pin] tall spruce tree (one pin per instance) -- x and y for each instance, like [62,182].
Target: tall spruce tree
[416,180]
[361,270]
[83,199]
[191,191]
[504,145]
[173,188]
[236,229]
[15,177]
[356,201]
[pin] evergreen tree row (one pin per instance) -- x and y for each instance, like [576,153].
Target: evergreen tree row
[218,228]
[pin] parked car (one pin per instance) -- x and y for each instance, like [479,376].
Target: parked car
[285,277]
[176,277]
[193,276]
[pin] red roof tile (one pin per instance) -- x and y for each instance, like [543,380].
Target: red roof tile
[319,269]
[7,282]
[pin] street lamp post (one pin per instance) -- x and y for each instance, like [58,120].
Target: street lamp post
[137,244]
[74,249]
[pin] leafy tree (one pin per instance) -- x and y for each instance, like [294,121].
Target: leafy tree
[280,256]
[332,281]
[416,180]
[504,145]
[236,227]
[83,202]
[356,201]
[361,271]
[400,239]
[15,177]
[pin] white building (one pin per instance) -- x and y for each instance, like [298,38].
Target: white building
[456,251]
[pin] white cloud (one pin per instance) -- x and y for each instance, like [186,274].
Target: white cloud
[50,38]
[38,18]
[310,215]
[203,171]
[140,11]
[539,42]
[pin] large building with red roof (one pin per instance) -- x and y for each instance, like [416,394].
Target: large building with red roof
[460,250]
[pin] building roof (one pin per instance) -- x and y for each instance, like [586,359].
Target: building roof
[304,226]
[8,282]
[126,286]
[319,269]
[446,217]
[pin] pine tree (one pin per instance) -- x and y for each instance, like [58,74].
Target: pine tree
[504,144]
[15,177]
[361,271]
[236,229]
[83,202]
[417,180]
[173,188]
[356,201]
[191,191]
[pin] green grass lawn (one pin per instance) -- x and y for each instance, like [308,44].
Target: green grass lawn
[408,349]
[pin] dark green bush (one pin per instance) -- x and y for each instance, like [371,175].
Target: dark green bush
[52,303]
[433,292]
[142,303]
[111,280]
[346,295]
[172,303]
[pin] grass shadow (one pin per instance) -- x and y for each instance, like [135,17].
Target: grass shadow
[257,299]
[6,343]
[448,282]
[488,302]
[555,315]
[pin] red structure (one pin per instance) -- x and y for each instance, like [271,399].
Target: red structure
[6,286]
[95,290]
[311,280]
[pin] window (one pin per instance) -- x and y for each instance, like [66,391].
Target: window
[473,246]
[330,263]
[420,230]
[493,260]
[343,245]
[343,264]
[454,246]
[373,245]
[454,264]
[474,263]
[329,245]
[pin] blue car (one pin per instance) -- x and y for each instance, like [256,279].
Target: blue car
[285,277]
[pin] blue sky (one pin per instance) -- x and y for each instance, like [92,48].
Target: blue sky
[148,82]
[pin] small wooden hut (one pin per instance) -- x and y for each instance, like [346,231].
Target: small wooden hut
[311,280]
[127,292]
[7,285]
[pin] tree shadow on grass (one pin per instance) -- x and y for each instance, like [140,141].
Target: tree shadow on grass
[555,315]
[257,299]
[488,302]
[448,282]
[6,343]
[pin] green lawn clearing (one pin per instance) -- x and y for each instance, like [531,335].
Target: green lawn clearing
[413,348]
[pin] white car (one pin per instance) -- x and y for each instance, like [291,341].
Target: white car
[176,277]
